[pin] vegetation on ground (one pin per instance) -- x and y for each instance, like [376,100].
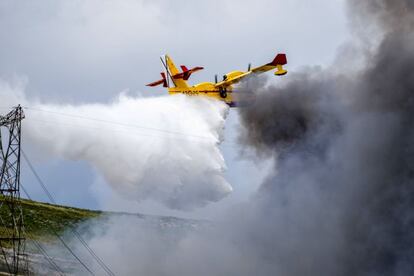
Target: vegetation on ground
[43,220]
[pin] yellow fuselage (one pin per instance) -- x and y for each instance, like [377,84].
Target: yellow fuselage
[211,90]
[204,89]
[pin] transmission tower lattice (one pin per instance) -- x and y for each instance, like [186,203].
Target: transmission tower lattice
[12,240]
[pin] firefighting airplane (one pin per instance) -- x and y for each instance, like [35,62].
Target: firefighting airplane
[222,90]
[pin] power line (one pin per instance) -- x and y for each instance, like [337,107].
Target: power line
[39,247]
[64,243]
[49,195]
[73,230]
[228,144]
[48,258]
[183,137]
[117,123]
[36,176]
[73,253]
[10,179]
[120,131]
[225,145]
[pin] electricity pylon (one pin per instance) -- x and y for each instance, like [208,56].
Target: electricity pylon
[12,240]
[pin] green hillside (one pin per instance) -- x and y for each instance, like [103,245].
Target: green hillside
[41,220]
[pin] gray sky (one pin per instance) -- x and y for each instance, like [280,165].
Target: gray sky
[89,51]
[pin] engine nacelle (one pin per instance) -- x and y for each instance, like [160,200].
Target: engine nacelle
[232,74]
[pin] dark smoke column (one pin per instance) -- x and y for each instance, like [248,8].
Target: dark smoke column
[342,191]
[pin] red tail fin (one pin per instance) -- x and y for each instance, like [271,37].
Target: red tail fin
[280,59]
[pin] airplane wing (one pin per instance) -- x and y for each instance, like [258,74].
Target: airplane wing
[277,63]
[236,76]
[232,80]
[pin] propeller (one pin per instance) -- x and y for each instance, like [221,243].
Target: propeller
[164,79]
[216,78]
[249,67]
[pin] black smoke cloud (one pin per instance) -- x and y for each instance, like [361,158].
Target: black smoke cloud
[344,176]
[340,200]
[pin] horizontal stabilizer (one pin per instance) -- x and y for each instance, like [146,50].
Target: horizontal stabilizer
[186,73]
[162,81]
[279,61]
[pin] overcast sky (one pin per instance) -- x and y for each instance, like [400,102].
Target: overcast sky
[89,51]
